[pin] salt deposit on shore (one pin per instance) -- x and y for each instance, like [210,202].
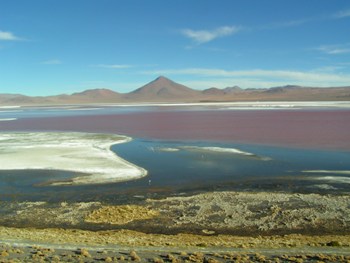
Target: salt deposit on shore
[217,149]
[335,179]
[329,175]
[203,149]
[84,153]
[9,107]
[327,171]
[8,119]
[164,149]
[245,104]
[224,150]
[211,150]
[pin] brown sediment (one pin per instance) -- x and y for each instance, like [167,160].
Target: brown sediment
[120,215]
[139,239]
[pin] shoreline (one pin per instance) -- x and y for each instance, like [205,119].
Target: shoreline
[89,154]
[216,224]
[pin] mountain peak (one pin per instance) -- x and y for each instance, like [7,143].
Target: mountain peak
[163,81]
[163,88]
[161,78]
[232,89]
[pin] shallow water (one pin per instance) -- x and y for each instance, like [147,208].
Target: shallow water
[265,169]
[168,144]
[305,128]
[186,171]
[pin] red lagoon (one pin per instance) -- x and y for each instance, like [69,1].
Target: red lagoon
[324,129]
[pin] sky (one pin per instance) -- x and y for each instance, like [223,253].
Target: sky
[50,47]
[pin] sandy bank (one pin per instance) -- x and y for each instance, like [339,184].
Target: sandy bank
[84,153]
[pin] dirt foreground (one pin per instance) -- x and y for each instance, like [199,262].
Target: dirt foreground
[71,245]
[207,227]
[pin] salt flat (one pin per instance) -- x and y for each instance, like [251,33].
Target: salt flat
[8,119]
[238,105]
[87,154]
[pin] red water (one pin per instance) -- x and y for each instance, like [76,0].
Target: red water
[328,129]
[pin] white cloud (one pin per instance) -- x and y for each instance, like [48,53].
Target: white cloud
[114,66]
[257,78]
[342,14]
[203,36]
[8,36]
[335,49]
[52,62]
[339,51]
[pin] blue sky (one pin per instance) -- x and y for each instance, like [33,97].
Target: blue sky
[53,47]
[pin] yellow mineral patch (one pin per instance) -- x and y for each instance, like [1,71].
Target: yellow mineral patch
[120,215]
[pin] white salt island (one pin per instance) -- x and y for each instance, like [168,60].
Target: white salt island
[87,154]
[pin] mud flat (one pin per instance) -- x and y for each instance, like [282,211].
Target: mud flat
[86,154]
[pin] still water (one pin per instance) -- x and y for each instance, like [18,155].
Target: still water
[190,169]
[289,151]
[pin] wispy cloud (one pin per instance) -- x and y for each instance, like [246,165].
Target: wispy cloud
[259,78]
[204,36]
[285,24]
[8,36]
[114,66]
[52,62]
[298,22]
[338,51]
[329,69]
[342,14]
[335,49]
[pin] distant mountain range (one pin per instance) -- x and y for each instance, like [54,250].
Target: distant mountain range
[165,90]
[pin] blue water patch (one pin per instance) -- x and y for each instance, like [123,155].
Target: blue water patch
[191,167]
